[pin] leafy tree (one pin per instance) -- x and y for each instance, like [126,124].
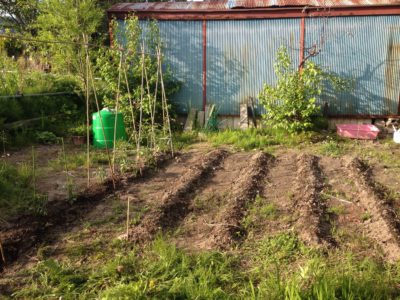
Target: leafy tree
[19,15]
[75,21]
[291,103]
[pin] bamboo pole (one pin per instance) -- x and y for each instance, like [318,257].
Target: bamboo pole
[152,113]
[140,111]
[3,258]
[116,111]
[101,123]
[130,103]
[128,217]
[165,106]
[87,114]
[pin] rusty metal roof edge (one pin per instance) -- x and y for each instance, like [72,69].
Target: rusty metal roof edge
[242,9]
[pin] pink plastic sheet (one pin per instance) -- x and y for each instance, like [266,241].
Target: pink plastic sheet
[358,131]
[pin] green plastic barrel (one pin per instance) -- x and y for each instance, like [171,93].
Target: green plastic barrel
[108,118]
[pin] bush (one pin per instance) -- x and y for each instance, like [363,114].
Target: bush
[291,103]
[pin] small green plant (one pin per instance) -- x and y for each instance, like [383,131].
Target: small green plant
[4,141]
[46,138]
[366,216]
[79,130]
[331,147]
[292,103]
[259,212]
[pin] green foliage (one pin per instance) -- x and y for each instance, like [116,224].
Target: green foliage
[67,20]
[291,103]
[259,138]
[46,138]
[277,267]
[113,65]
[16,191]
[331,147]
[23,14]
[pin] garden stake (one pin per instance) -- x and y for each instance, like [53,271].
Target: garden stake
[87,115]
[33,173]
[127,217]
[2,253]
[165,106]
[152,113]
[140,113]
[130,104]
[116,109]
[101,122]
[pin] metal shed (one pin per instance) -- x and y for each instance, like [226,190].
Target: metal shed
[223,51]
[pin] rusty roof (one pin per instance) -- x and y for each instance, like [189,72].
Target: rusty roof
[226,5]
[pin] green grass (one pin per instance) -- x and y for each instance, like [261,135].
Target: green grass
[17,194]
[276,267]
[258,212]
[260,138]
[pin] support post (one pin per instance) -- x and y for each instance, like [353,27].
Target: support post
[204,64]
[302,38]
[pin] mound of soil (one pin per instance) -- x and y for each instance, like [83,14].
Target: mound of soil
[175,202]
[313,225]
[384,225]
[229,228]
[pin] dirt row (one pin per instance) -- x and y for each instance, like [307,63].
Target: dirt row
[313,223]
[173,206]
[384,225]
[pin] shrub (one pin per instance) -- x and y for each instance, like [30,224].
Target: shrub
[291,103]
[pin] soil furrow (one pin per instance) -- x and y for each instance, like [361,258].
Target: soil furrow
[195,232]
[313,223]
[229,228]
[383,225]
[273,212]
[175,202]
[345,211]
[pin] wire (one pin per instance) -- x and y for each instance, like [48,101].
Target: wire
[121,49]
[36,95]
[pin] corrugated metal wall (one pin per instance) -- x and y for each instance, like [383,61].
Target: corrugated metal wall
[240,58]
[241,53]
[366,49]
[184,56]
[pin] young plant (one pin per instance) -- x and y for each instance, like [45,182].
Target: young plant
[292,103]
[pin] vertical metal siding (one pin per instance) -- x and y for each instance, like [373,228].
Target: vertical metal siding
[241,55]
[182,45]
[365,49]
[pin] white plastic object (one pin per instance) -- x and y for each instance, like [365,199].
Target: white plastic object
[396,135]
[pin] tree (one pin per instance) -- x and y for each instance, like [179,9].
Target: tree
[19,15]
[74,21]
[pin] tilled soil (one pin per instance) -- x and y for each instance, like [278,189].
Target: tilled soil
[384,224]
[209,204]
[174,204]
[203,197]
[20,235]
[244,191]
[313,225]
